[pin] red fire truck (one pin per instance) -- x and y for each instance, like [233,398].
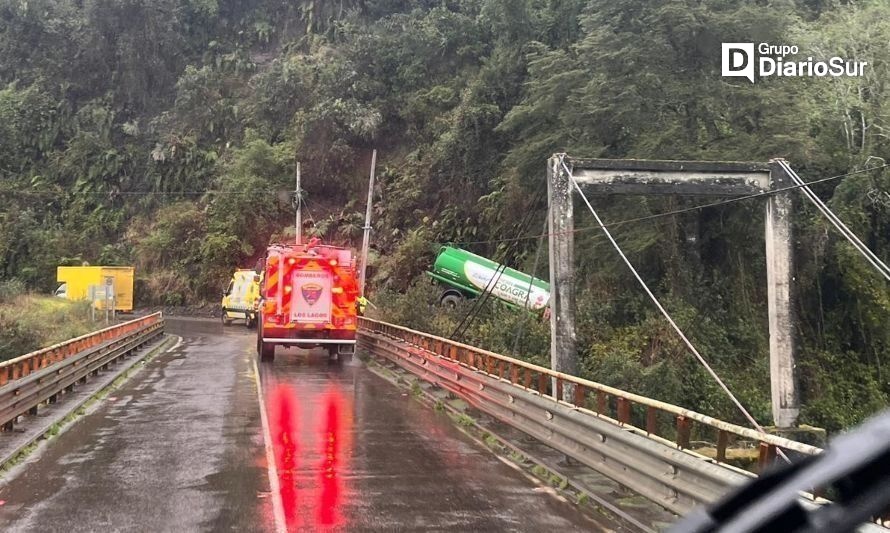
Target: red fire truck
[309,296]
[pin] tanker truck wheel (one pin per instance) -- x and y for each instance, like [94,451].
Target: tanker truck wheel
[451,300]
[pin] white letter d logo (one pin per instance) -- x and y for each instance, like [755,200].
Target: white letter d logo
[738,60]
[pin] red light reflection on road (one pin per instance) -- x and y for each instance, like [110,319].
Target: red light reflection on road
[329,511]
[311,436]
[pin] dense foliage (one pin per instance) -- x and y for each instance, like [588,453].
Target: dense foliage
[29,322]
[164,133]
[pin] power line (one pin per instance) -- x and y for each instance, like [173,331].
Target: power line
[660,307]
[521,326]
[682,210]
[137,193]
[474,311]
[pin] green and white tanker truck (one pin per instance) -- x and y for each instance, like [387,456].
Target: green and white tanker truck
[466,275]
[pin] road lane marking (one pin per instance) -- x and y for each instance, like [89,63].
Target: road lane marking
[177,345]
[277,504]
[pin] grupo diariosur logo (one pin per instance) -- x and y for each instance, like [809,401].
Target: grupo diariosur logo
[740,60]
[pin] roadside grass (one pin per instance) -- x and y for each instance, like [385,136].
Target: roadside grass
[29,322]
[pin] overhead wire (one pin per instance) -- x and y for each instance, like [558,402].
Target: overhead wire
[466,321]
[482,298]
[681,211]
[461,328]
[864,250]
[54,193]
[309,211]
[480,301]
[663,311]
[528,294]
[27,192]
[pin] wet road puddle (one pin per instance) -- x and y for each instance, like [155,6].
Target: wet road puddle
[352,452]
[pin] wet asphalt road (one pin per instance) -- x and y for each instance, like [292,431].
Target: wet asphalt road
[180,447]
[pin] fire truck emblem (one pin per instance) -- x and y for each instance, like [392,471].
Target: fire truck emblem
[311,292]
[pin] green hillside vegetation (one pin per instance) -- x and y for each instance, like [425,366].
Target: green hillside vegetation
[164,134]
[29,322]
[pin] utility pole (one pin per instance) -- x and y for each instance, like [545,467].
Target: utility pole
[367,228]
[298,198]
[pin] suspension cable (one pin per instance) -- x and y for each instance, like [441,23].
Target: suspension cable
[663,311]
[837,222]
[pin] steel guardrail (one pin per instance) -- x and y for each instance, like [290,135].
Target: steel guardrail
[23,365]
[40,376]
[596,427]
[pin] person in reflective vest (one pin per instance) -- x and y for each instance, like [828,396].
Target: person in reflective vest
[362,303]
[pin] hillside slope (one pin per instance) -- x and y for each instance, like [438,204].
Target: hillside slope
[164,134]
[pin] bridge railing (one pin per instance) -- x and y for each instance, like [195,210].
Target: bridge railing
[635,412]
[27,364]
[38,378]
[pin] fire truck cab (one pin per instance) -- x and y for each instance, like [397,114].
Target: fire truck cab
[309,296]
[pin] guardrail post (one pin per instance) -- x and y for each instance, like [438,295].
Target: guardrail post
[766,457]
[684,428]
[558,395]
[601,402]
[623,411]
[722,443]
[542,384]
[651,420]
[580,396]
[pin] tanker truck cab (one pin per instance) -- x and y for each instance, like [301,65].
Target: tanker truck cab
[241,298]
